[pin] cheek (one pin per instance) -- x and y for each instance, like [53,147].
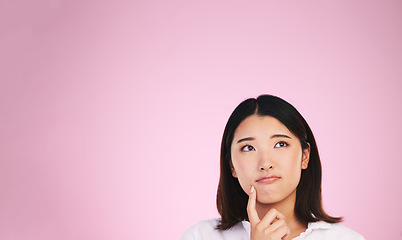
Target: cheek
[294,166]
[244,177]
[242,169]
[289,164]
[293,158]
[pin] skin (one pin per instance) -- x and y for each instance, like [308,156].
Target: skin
[262,146]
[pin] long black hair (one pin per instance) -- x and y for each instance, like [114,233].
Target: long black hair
[232,200]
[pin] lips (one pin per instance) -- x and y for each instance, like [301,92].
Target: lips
[268,179]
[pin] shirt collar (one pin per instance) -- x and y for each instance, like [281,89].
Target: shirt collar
[246,226]
[310,227]
[319,225]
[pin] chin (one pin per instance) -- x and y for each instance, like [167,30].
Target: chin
[268,200]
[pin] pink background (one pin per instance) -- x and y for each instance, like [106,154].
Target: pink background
[111,112]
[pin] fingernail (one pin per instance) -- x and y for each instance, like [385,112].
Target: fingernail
[252,189]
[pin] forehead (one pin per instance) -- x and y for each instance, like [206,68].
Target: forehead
[256,125]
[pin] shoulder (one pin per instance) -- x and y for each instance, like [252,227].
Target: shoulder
[206,229]
[324,230]
[201,226]
[345,232]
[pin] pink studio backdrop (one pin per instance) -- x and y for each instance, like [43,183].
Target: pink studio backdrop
[111,112]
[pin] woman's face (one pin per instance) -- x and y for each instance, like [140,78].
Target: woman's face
[266,155]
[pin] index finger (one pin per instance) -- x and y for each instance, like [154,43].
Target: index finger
[251,211]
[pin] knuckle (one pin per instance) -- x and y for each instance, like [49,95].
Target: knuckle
[259,227]
[267,231]
[285,230]
[282,222]
[274,211]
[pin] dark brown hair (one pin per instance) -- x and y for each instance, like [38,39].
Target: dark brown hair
[232,200]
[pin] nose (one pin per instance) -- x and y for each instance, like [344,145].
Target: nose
[265,162]
[262,168]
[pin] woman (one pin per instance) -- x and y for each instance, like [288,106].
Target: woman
[270,179]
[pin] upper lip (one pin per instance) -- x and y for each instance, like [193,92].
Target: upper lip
[267,177]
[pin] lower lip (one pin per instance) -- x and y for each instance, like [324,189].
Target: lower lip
[268,180]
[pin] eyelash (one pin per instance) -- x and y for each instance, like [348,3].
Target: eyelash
[242,149]
[284,144]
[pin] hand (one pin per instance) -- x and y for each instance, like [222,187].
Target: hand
[271,227]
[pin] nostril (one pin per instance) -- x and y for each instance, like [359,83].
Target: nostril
[263,168]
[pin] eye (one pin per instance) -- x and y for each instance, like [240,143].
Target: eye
[247,148]
[281,144]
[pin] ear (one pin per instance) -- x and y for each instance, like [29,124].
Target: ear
[305,157]
[233,170]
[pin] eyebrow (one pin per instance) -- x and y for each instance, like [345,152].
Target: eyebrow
[245,139]
[273,136]
[280,136]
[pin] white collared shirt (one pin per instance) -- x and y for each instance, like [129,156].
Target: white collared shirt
[205,230]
